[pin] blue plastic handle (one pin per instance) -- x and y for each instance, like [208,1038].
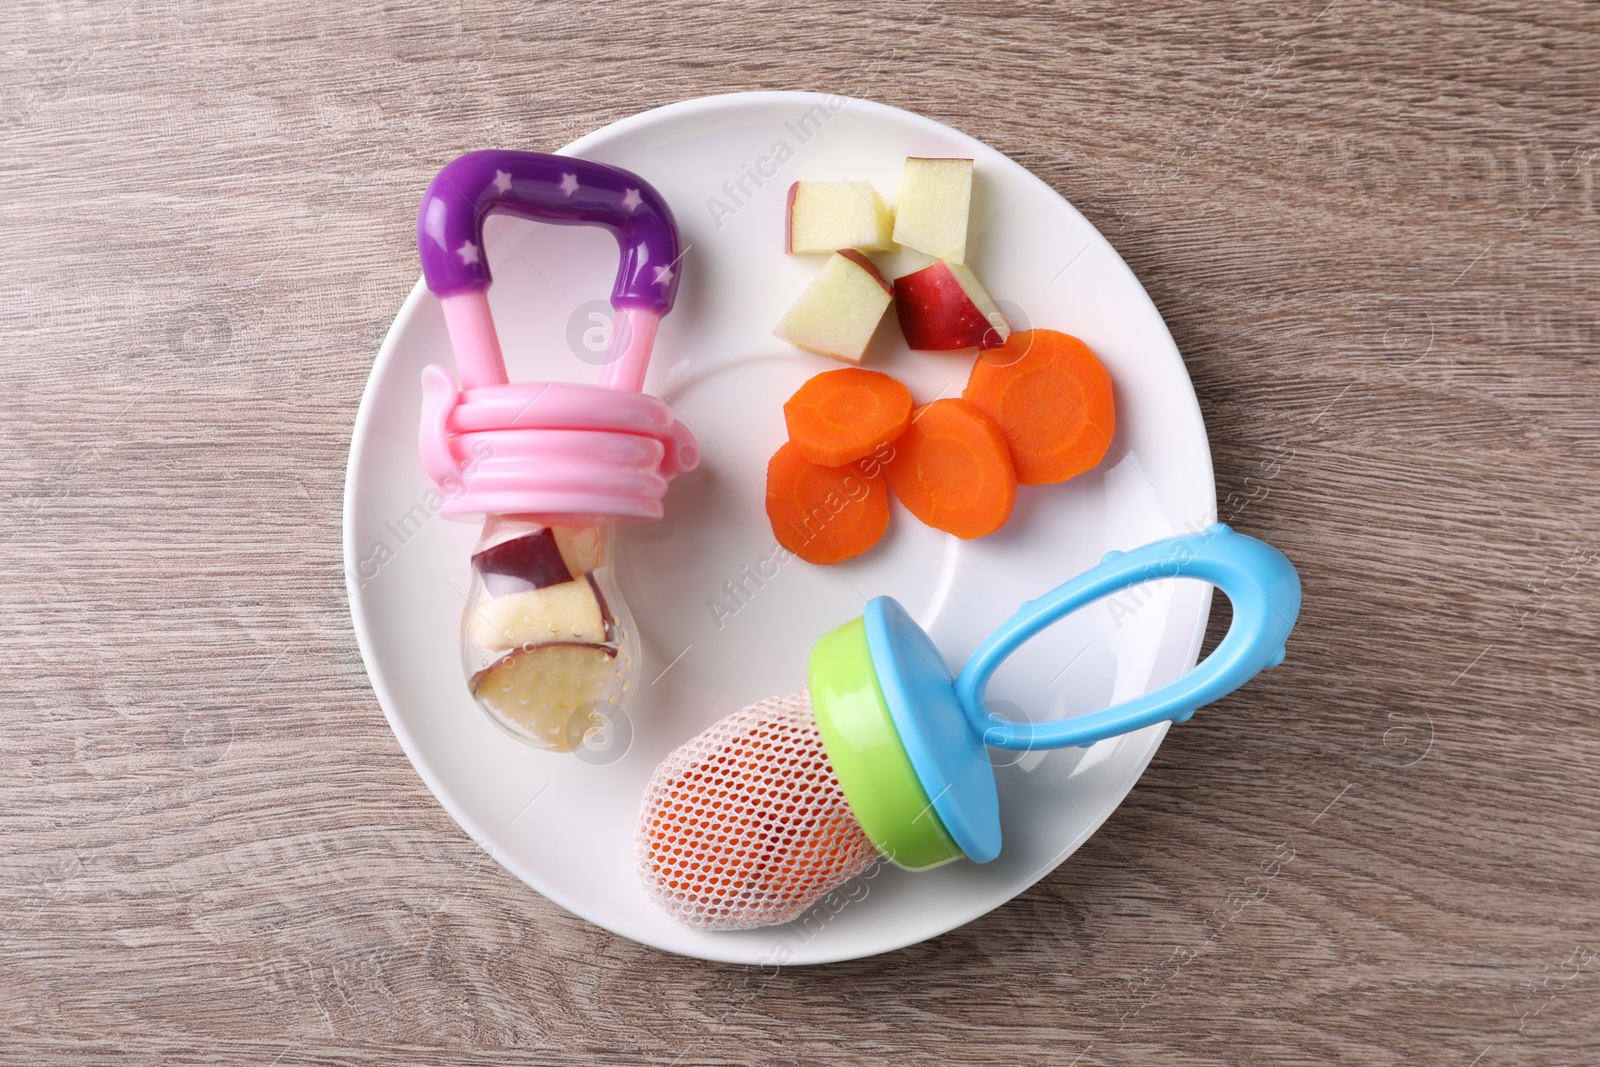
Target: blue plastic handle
[1257,578]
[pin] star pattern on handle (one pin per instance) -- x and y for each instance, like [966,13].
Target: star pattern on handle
[468,253]
[664,275]
[569,184]
[502,182]
[631,201]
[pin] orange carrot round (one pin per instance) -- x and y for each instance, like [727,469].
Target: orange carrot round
[952,469]
[1052,399]
[841,415]
[824,514]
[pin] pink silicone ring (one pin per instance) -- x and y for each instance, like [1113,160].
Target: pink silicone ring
[571,453]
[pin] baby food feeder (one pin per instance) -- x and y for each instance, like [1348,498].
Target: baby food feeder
[547,641]
[886,753]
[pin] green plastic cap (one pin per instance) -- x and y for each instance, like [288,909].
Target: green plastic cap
[867,754]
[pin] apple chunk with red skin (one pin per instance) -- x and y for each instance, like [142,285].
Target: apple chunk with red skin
[839,311]
[944,307]
[549,555]
[824,217]
[532,561]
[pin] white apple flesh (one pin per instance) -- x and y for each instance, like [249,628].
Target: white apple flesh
[944,307]
[571,611]
[547,693]
[824,217]
[582,547]
[930,210]
[839,311]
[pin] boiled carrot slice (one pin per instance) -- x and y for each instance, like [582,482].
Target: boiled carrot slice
[824,514]
[952,469]
[841,415]
[1052,399]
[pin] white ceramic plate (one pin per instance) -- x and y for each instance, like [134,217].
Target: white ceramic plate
[565,826]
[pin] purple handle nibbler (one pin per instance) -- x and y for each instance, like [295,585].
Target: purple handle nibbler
[564,452]
[554,189]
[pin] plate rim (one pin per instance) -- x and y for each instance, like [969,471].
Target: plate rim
[360,439]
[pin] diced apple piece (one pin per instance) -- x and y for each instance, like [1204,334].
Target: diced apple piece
[943,307]
[544,691]
[824,217]
[930,211]
[571,611]
[531,561]
[839,310]
[498,528]
[582,547]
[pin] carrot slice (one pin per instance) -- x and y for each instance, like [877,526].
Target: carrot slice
[952,469]
[841,415]
[1052,398]
[824,514]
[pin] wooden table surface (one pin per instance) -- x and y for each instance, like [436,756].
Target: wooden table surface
[1372,228]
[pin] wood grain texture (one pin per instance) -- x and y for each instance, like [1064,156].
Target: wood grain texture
[1373,230]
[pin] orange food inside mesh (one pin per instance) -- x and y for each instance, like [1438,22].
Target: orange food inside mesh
[746,825]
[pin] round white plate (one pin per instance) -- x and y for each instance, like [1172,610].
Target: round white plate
[566,826]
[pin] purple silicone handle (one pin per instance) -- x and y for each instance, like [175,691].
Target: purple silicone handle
[555,189]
